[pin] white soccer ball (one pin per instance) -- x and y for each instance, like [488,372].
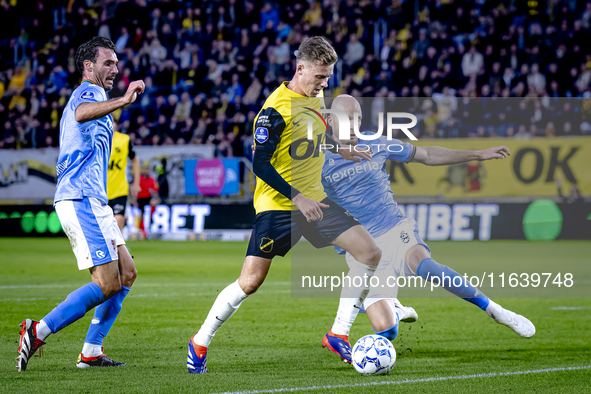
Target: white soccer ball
[373,355]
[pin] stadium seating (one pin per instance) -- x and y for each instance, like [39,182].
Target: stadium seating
[209,65]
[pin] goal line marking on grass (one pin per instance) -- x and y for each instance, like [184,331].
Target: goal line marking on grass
[436,379]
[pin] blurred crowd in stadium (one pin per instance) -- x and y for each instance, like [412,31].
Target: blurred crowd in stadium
[209,65]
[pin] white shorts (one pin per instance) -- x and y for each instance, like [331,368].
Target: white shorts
[394,245]
[92,230]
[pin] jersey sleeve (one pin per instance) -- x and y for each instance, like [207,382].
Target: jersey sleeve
[130,151]
[398,150]
[89,94]
[268,128]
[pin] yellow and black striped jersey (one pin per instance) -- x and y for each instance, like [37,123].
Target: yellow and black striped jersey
[117,185]
[282,141]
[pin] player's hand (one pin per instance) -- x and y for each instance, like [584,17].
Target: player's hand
[311,209]
[499,152]
[135,88]
[135,189]
[354,155]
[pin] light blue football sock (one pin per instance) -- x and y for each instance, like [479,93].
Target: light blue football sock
[429,269]
[74,307]
[104,317]
[390,333]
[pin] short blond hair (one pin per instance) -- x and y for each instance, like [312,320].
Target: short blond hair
[317,50]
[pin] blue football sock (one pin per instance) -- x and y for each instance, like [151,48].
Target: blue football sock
[390,333]
[429,269]
[104,317]
[74,307]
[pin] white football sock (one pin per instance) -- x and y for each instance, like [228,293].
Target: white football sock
[352,298]
[42,330]
[223,308]
[90,350]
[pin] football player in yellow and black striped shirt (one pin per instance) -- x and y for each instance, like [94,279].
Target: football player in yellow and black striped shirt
[117,185]
[290,201]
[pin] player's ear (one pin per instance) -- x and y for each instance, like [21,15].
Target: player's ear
[87,65]
[300,68]
[329,120]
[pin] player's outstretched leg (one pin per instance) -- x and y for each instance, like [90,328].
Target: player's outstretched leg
[430,270]
[357,241]
[337,338]
[254,272]
[71,309]
[224,307]
[104,316]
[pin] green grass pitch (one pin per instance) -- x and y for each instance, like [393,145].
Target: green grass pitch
[274,340]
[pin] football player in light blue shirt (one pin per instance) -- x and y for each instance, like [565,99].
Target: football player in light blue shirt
[364,190]
[86,131]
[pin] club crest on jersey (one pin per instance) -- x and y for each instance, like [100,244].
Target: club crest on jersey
[261,134]
[87,95]
[267,244]
[404,237]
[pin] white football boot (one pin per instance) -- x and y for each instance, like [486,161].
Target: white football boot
[406,314]
[520,324]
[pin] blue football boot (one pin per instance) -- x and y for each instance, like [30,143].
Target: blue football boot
[338,344]
[197,359]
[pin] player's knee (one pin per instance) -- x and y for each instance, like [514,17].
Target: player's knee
[250,285]
[128,277]
[374,255]
[110,288]
[128,274]
[133,275]
[389,333]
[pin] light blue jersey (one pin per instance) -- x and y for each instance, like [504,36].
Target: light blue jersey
[85,149]
[363,188]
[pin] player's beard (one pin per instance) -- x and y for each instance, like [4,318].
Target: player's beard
[111,81]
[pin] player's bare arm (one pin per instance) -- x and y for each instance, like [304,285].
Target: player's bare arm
[135,187]
[437,156]
[91,111]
